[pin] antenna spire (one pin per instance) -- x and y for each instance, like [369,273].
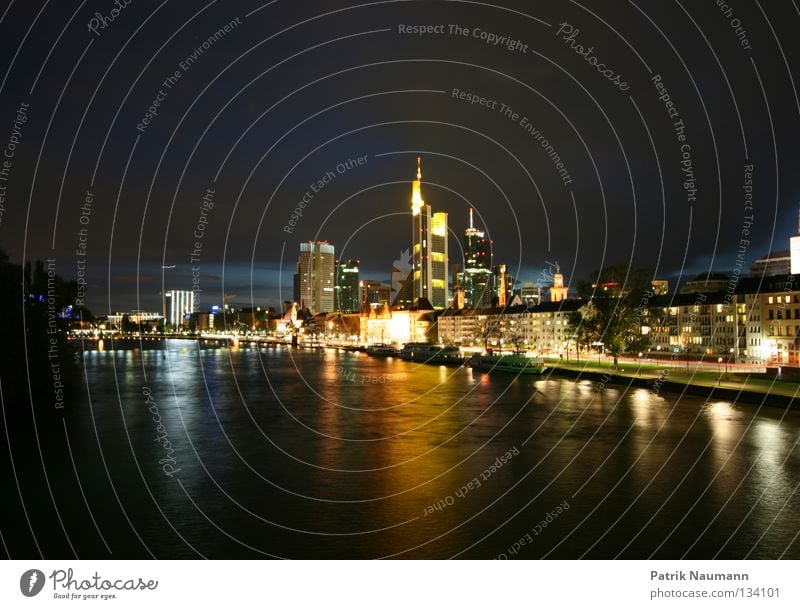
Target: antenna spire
[416,191]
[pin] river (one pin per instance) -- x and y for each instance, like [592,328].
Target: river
[186,452]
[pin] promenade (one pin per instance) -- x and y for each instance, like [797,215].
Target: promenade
[717,380]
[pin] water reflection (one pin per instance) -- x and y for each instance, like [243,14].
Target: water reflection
[328,453]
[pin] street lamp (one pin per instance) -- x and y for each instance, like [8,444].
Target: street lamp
[719,370]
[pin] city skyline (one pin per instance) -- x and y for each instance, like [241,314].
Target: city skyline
[516,192]
[400,279]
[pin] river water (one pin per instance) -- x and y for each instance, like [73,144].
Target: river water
[275,452]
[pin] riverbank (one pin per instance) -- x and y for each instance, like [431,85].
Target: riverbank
[701,379]
[745,388]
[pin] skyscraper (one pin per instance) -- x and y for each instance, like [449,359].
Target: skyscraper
[347,290]
[314,281]
[429,259]
[477,278]
[401,296]
[374,294]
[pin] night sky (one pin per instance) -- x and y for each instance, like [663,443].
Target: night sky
[294,90]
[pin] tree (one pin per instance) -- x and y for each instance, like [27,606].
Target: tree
[485,330]
[514,333]
[616,300]
[34,304]
[581,324]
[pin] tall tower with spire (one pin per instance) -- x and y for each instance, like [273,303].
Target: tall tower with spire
[558,292]
[429,259]
[477,278]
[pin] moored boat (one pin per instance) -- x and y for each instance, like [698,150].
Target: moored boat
[429,353]
[516,363]
[381,350]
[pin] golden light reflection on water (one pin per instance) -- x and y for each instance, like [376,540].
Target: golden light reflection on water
[725,424]
[374,455]
[777,446]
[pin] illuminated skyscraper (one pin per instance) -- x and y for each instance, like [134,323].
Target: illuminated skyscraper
[477,278]
[314,281]
[374,294]
[429,259]
[347,288]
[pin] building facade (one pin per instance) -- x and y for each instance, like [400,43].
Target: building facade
[530,294]
[773,324]
[708,325]
[397,327]
[477,279]
[754,321]
[544,328]
[774,263]
[346,291]
[374,294]
[504,283]
[314,281]
[140,319]
[401,296]
[559,291]
[429,256]
[178,305]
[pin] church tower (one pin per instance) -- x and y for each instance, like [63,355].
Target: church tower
[558,292]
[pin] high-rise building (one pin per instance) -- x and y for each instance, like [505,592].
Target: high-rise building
[456,276]
[374,294]
[429,258]
[477,280]
[346,290]
[177,305]
[401,288]
[504,283]
[314,281]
